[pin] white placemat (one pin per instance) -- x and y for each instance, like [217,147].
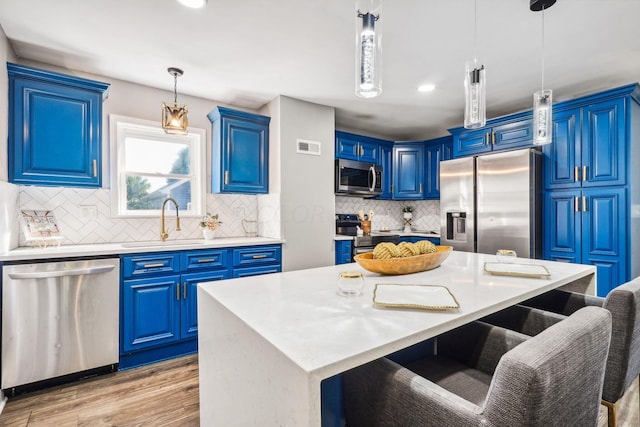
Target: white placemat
[519,270]
[429,297]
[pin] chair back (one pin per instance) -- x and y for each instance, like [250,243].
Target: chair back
[554,378]
[623,365]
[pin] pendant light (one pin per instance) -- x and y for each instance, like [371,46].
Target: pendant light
[475,106]
[174,116]
[543,99]
[368,49]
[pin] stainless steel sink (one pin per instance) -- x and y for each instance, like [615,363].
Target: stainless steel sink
[158,243]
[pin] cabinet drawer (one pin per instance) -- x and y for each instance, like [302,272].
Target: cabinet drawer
[255,256]
[150,264]
[201,260]
[254,271]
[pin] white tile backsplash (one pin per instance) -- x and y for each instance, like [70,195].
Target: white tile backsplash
[9,211]
[67,204]
[388,213]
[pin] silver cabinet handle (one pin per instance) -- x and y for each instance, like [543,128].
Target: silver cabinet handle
[184,290]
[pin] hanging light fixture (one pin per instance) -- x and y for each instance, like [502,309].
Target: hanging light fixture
[368,49]
[543,99]
[475,106]
[174,116]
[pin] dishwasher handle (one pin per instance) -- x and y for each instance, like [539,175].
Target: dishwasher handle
[61,273]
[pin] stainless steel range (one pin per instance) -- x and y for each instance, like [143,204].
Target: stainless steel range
[347,225]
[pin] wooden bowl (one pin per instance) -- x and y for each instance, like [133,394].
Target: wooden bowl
[404,265]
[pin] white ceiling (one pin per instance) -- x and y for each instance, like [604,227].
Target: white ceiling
[246,52]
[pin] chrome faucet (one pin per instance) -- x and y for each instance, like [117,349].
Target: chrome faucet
[163,233]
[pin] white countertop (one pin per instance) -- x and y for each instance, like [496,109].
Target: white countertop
[279,335]
[68,251]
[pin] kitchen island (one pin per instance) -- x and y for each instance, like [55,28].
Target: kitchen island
[266,343]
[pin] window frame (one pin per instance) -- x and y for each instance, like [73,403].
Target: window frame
[121,127]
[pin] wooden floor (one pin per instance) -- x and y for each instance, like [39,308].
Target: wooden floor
[162,394]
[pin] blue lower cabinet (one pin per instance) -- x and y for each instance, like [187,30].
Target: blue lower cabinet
[343,251]
[414,239]
[151,310]
[159,308]
[588,226]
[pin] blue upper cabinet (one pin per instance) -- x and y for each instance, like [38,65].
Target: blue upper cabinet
[504,133]
[408,171]
[589,146]
[240,152]
[55,128]
[386,161]
[436,151]
[358,147]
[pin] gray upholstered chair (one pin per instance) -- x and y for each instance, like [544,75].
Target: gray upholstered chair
[623,364]
[487,375]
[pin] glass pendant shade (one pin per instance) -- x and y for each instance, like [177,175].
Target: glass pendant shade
[174,116]
[475,110]
[368,52]
[542,117]
[175,119]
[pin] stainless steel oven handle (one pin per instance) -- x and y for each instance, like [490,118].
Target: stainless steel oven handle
[61,273]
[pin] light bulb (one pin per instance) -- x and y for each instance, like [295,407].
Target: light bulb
[475,113]
[542,117]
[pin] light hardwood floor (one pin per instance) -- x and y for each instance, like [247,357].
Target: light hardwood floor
[162,394]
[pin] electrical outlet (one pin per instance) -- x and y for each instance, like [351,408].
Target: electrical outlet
[239,212]
[89,211]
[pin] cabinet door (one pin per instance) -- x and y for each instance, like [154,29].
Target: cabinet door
[562,157]
[386,160]
[433,157]
[343,251]
[245,161]
[347,147]
[603,235]
[150,314]
[189,299]
[408,171]
[471,142]
[512,135]
[603,146]
[369,152]
[55,135]
[562,226]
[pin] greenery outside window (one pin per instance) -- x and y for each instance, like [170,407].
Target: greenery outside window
[150,165]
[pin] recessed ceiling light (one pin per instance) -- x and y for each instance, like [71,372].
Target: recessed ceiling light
[195,4]
[426,88]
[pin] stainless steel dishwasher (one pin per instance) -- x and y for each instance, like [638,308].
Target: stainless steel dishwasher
[58,318]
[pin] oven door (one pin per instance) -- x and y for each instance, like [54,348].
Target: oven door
[360,250]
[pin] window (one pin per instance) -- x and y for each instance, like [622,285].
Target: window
[151,165]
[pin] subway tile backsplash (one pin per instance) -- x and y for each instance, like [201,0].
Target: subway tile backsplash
[388,213]
[69,204]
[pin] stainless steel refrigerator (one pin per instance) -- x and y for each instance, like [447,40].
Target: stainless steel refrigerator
[493,202]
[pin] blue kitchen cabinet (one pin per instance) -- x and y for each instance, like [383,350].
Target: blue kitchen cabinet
[159,302]
[343,251]
[435,151]
[252,261]
[240,152]
[590,186]
[589,146]
[504,133]
[351,146]
[386,161]
[584,226]
[408,171]
[55,128]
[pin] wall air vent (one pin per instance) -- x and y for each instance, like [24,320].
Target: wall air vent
[308,147]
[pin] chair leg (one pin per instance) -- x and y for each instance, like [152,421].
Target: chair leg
[611,413]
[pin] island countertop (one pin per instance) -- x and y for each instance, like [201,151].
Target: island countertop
[292,328]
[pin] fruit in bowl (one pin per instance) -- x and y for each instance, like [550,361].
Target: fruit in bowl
[402,264]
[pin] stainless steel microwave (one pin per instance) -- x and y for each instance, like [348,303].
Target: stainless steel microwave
[355,178]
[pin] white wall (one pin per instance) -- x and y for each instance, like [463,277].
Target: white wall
[305,182]
[6,54]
